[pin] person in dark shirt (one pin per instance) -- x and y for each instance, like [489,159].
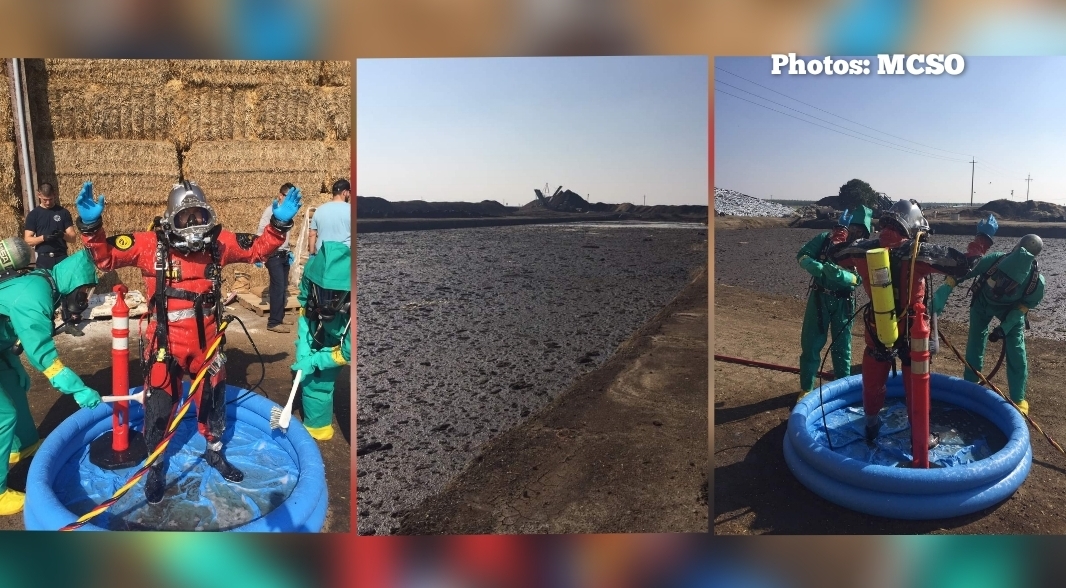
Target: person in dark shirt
[49,228]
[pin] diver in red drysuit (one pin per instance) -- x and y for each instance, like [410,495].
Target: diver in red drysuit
[184,259]
[899,226]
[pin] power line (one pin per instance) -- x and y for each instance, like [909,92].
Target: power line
[1005,171]
[847,119]
[1000,173]
[836,115]
[829,122]
[905,150]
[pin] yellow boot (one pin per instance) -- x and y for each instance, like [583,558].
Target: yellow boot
[17,456]
[11,502]
[321,433]
[1023,406]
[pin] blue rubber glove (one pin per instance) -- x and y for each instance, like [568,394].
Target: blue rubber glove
[89,210]
[292,258]
[988,227]
[285,211]
[940,298]
[67,382]
[258,264]
[813,267]
[845,218]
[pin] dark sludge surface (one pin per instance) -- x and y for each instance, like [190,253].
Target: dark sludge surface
[464,333]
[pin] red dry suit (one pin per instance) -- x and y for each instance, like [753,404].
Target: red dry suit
[931,259]
[188,287]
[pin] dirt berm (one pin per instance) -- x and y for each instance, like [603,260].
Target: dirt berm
[624,450]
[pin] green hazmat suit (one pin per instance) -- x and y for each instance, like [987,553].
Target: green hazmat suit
[1010,307]
[830,306]
[323,345]
[27,307]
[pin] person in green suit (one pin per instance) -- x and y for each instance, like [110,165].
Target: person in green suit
[323,333]
[830,300]
[1007,287]
[28,301]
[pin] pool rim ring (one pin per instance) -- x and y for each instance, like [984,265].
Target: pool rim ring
[908,506]
[956,391]
[304,510]
[912,493]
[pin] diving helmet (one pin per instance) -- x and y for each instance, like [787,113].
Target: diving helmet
[906,216]
[189,221]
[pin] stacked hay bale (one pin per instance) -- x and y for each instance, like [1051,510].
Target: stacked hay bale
[135,127]
[291,123]
[11,215]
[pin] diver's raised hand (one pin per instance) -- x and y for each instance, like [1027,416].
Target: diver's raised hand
[988,227]
[285,211]
[89,210]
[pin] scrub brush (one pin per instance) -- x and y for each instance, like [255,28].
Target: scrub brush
[280,418]
[139,397]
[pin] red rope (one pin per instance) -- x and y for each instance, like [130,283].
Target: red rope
[768,366]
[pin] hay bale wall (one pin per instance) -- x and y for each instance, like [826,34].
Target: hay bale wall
[235,73]
[336,73]
[7,117]
[239,128]
[11,217]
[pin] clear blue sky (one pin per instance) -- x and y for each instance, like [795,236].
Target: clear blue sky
[613,128]
[1007,112]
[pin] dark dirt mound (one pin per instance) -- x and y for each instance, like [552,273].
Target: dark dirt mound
[1031,210]
[883,202]
[373,207]
[568,201]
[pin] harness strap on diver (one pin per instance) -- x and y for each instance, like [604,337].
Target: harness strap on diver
[159,300]
[198,299]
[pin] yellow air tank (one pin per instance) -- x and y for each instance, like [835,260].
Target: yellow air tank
[881,296]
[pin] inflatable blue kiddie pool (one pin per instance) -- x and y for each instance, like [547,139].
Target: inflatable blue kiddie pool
[284,486]
[984,453]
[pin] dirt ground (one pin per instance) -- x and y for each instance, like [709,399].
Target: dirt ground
[750,222]
[754,491]
[90,357]
[623,450]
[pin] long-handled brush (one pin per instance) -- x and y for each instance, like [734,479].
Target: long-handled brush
[139,397]
[280,418]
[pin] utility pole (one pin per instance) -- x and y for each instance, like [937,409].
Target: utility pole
[972,162]
[1027,180]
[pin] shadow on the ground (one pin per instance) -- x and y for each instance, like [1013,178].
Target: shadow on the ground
[762,484]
